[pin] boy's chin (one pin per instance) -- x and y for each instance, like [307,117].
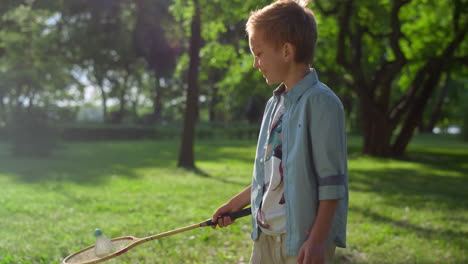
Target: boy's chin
[271,82]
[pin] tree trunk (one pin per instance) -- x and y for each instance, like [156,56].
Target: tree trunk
[214,75]
[377,131]
[381,114]
[186,156]
[31,95]
[123,102]
[157,105]
[3,114]
[121,113]
[435,115]
[433,71]
[414,117]
[213,102]
[104,102]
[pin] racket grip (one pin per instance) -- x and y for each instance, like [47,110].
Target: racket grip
[233,216]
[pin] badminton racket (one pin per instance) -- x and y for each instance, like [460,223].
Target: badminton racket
[124,244]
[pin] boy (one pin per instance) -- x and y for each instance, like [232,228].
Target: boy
[299,191]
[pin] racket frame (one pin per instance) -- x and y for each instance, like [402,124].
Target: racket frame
[138,241]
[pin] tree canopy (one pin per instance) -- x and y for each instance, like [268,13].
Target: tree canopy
[398,66]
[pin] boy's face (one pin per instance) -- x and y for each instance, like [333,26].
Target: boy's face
[268,59]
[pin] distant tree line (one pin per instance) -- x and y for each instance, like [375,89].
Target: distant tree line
[399,66]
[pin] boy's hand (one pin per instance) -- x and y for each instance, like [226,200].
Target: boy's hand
[224,221]
[313,249]
[237,202]
[311,253]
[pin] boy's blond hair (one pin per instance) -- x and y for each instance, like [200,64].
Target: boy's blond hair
[287,21]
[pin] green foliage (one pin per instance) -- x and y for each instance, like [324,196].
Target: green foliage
[126,50]
[32,133]
[226,61]
[218,55]
[427,33]
[391,54]
[32,66]
[454,108]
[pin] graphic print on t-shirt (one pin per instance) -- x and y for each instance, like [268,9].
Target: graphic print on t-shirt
[275,149]
[271,213]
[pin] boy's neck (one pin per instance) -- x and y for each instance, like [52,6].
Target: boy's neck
[295,74]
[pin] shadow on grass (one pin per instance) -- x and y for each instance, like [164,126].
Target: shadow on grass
[401,187]
[440,159]
[455,237]
[97,162]
[87,163]
[437,182]
[204,174]
[441,179]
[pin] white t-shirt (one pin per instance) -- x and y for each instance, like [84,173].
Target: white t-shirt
[271,216]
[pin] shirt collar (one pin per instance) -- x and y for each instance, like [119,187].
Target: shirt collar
[310,80]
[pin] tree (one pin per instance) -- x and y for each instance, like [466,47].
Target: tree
[227,79]
[186,155]
[394,54]
[152,42]
[33,71]
[33,74]
[435,110]
[218,52]
[90,32]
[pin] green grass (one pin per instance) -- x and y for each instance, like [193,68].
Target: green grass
[411,210]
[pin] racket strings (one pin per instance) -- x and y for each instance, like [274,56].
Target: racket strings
[89,255]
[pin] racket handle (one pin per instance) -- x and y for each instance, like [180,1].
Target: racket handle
[233,216]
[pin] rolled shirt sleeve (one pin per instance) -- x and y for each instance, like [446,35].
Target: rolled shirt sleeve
[328,139]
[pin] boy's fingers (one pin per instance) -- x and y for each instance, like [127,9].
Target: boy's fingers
[305,258]
[215,216]
[224,221]
[301,257]
[227,220]
[220,222]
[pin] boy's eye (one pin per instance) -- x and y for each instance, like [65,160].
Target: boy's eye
[258,54]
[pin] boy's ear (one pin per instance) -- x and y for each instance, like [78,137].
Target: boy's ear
[288,52]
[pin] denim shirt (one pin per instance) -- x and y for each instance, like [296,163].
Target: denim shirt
[314,160]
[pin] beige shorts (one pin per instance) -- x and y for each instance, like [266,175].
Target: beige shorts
[270,250]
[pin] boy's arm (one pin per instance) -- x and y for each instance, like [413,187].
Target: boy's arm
[236,203]
[313,248]
[328,137]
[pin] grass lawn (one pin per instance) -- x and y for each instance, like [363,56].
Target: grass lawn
[401,211]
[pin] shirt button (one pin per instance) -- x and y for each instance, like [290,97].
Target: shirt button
[261,160]
[259,187]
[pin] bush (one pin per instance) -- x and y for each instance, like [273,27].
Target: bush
[31,133]
[171,131]
[235,131]
[107,132]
